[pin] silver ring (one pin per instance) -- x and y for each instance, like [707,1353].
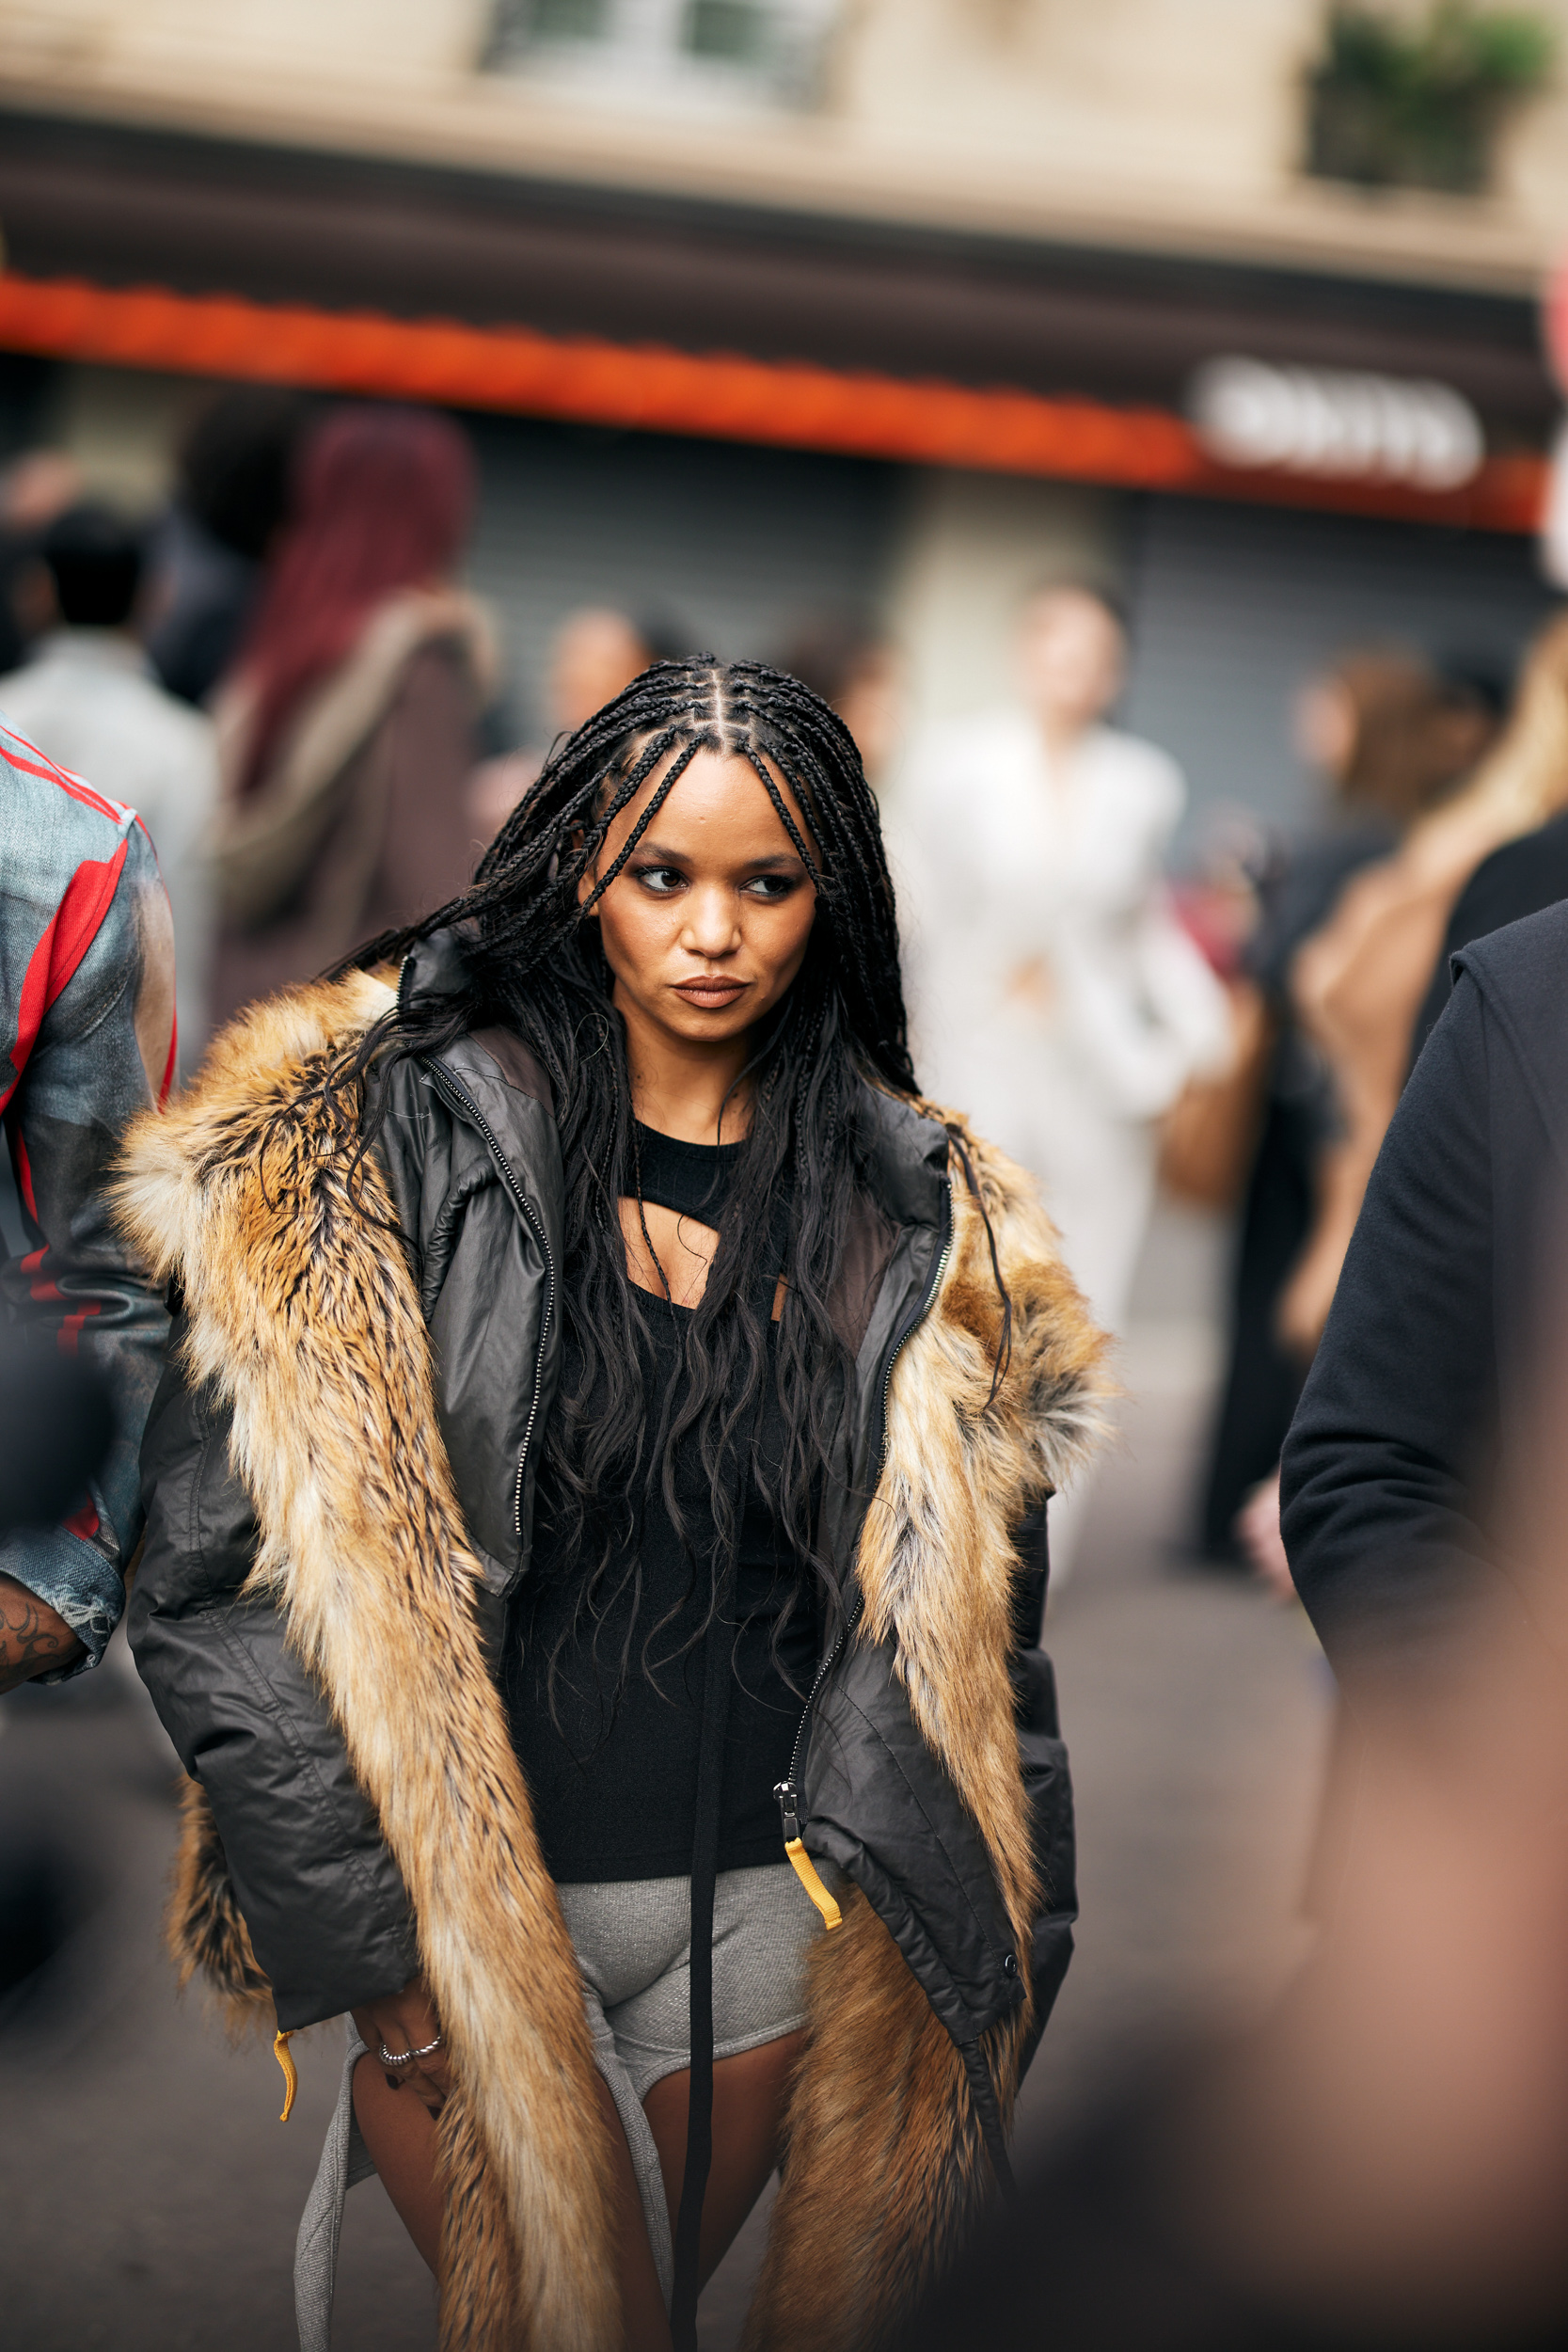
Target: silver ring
[408,2056]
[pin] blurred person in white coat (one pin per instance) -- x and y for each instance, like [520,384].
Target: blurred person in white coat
[1053,989]
[89,699]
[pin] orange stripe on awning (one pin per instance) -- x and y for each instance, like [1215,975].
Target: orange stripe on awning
[718,395]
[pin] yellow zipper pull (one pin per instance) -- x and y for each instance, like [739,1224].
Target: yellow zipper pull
[284,2055]
[805,1870]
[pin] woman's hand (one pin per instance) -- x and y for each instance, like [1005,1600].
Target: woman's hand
[407,2021]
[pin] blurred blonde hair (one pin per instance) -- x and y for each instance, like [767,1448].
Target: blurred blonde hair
[1524,779]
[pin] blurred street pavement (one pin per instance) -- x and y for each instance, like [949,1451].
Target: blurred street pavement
[150,2195]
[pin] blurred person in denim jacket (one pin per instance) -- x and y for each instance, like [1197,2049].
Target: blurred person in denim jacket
[86,1001]
[89,700]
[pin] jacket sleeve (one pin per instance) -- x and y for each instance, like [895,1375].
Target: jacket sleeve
[1047,1783]
[102,1051]
[1385,1469]
[321,1895]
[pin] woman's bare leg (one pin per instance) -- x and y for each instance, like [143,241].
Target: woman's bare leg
[645,2321]
[400,2137]
[749,2095]
[400,2133]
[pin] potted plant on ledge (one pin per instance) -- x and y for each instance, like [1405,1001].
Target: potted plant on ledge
[1396,101]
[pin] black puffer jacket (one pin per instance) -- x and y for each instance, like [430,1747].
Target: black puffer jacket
[257,1619]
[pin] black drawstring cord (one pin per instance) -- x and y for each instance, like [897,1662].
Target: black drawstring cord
[717,1679]
[717,1676]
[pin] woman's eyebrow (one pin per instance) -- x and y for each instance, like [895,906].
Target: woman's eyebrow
[683,857]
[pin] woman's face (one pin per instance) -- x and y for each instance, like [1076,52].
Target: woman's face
[1324,726]
[706,925]
[1072,657]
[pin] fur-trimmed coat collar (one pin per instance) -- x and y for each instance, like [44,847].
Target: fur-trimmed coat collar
[301,1308]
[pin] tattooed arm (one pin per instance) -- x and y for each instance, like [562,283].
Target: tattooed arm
[34,1638]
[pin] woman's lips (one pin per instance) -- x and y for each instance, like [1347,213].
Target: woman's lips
[711,996]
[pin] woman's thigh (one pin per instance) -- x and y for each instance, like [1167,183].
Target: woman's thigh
[750,2096]
[400,2133]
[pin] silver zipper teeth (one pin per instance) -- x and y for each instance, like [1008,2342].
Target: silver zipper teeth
[792,1784]
[444,1079]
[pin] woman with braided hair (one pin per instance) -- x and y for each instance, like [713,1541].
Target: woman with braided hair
[595,1554]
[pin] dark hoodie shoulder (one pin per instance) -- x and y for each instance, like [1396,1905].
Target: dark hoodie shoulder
[1418,1399]
[1521,976]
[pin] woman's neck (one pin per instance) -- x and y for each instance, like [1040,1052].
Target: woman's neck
[1061,736]
[682,1086]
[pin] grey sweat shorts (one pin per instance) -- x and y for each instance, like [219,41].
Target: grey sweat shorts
[633,1945]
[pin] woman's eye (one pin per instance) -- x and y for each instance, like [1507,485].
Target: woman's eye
[663,881]
[770,888]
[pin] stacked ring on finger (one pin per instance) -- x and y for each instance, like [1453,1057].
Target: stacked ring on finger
[406,2058]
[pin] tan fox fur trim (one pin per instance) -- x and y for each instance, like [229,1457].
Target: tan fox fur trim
[302,1310]
[884,2166]
[205,1931]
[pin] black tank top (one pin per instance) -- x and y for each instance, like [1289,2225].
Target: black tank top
[613,1773]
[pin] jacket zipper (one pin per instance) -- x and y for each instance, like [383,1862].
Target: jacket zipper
[788,1792]
[452,1087]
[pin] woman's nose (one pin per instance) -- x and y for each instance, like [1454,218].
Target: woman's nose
[711,928]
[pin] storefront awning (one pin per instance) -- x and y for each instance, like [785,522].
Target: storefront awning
[719,395]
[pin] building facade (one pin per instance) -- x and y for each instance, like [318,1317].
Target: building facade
[765,307]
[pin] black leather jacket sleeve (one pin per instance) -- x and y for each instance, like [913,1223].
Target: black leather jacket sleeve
[320,1892]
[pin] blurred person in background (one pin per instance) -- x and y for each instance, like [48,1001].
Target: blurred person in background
[88,698]
[1388,735]
[233,468]
[595,655]
[1407,1444]
[1051,986]
[348,728]
[549,1335]
[1359,984]
[1382,2162]
[1407,1474]
[34,488]
[86,1015]
[851,664]
[1522,878]
[597,652]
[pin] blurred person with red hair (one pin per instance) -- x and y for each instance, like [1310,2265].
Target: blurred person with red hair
[348,728]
